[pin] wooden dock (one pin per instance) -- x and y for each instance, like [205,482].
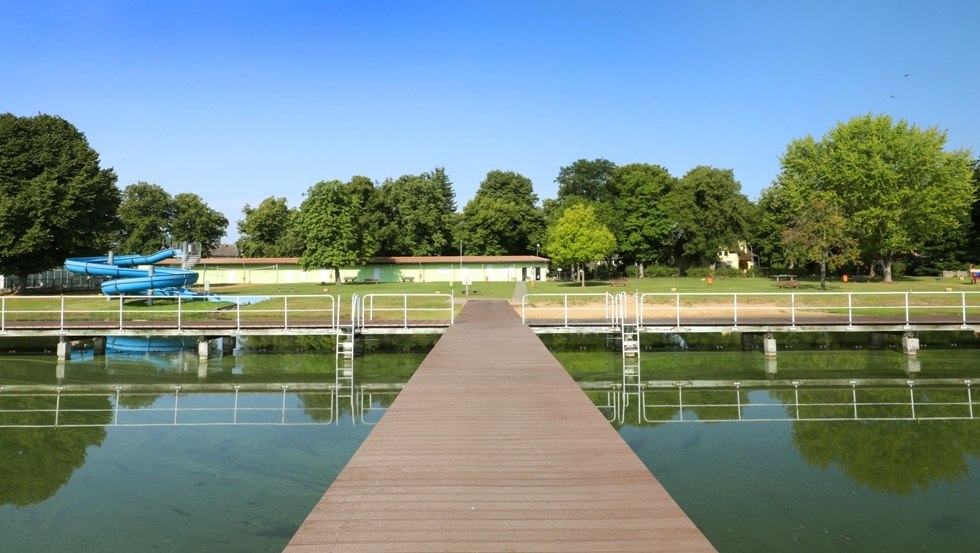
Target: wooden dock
[492,447]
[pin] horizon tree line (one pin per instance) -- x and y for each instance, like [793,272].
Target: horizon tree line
[871,195]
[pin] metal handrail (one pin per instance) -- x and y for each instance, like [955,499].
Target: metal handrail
[368,307]
[609,315]
[172,312]
[794,303]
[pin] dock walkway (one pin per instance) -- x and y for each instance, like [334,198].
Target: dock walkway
[491,446]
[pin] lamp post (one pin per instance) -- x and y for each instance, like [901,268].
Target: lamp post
[537,250]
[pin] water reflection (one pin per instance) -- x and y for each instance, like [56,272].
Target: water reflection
[38,459]
[898,438]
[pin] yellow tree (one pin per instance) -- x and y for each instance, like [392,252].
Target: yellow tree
[579,238]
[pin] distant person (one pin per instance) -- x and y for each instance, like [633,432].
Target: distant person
[974,274]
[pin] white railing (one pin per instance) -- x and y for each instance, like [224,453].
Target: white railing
[64,313]
[794,308]
[569,308]
[406,306]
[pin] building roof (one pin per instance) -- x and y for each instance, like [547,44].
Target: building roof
[397,260]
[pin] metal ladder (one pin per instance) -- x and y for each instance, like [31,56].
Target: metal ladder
[346,348]
[630,339]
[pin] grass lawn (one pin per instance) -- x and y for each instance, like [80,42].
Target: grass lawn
[98,307]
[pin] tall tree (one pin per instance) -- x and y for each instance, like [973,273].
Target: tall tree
[774,212]
[267,230]
[333,218]
[194,221]
[974,253]
[819,233]
[710,215]
[55,199]
[899,188]
[503,218]
[586,179]
[579,238]
[417,213]
[642,201]
[146,214]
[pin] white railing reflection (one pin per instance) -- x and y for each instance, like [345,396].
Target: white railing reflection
[662,402]
[67,409]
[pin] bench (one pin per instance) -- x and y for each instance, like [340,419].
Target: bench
[372,280]
[408,279]
[788,283]
[350,280]
[618,282]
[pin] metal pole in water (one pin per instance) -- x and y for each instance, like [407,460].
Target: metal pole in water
[115,409]
[283,420]
[969,396]
[796,397]
[738,399]
[176,400]
[57,405]
[911,383]
[854,398]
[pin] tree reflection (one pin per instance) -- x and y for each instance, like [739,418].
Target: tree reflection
[892,456]
[38,461]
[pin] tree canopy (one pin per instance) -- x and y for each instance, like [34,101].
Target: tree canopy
[269,230]
[897,186]
[333,219]
[55,199]
[416,214]
[145,213]
[579,238]
[503,217]
[645,231]
[152,219]
[710,215]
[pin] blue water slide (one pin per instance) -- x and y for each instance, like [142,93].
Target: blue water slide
[125,278]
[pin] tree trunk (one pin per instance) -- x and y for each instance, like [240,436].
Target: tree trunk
[22,279]
[823,272]
[336,276]
[886,264]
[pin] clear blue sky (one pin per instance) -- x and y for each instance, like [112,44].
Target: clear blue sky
[239,100]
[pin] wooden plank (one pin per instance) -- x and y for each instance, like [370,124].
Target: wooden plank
[491,446]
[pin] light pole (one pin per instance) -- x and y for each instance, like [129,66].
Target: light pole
[537,250]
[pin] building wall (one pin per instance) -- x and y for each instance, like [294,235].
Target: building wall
[289,274]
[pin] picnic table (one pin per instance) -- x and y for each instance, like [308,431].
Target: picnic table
[787,281]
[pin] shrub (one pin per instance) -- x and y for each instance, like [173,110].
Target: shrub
[632,271]
[661,271]
[699,272]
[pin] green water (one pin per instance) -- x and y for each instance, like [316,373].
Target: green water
[230,476]
[239,472]
[771,483]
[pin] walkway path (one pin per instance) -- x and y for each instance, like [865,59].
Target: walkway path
[492,447]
